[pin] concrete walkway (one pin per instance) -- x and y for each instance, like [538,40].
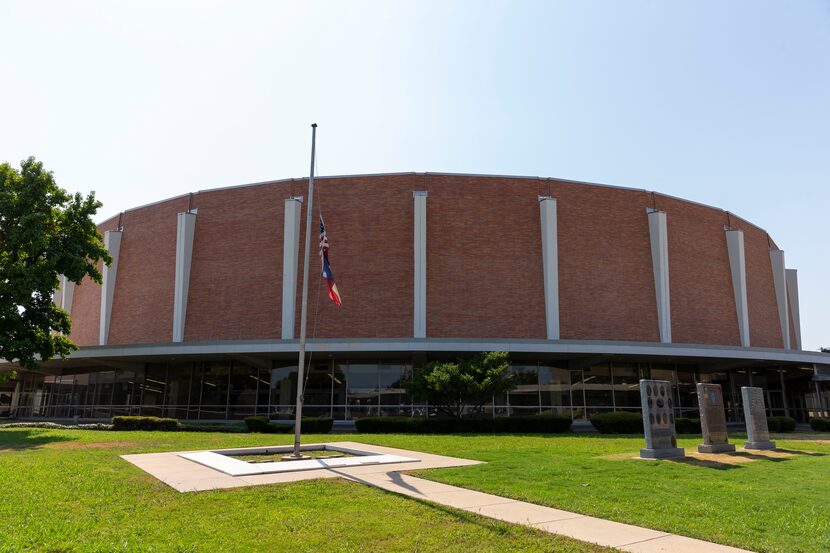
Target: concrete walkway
[184,476]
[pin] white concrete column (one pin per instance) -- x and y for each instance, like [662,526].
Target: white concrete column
[792,298]
[112,242]
[62,297]
[290,257]
[420,267]
[737,263]
[658,232]
[185,230]
[67,294]
[779,279]
[550,264]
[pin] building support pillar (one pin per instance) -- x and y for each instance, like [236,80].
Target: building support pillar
[779,279]
[64,293]
[550,264]
[290,263]
[737,264]
[112,242]
[185,230]
[658,232]
[420,266]
[792,298]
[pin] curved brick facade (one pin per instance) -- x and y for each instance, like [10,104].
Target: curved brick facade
[484,265]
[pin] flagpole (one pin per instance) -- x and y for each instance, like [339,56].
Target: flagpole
[304,312]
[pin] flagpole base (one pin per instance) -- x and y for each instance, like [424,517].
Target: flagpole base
[293,457]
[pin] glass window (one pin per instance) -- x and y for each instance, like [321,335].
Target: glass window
[687,392]
[626,385]
[243,390]
[178,390]
[362,390]
[214,390]
[283,391]
[597,384]
[524,398]
[554,383]
[264,391]
[394,400]
[123,390]
[577,394]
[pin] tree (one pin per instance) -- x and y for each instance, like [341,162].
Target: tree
[452,387]
[824,350]
[45,232]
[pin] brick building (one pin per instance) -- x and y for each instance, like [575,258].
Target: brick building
[589,287]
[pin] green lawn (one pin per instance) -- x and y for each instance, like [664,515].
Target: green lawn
[766,505]
[67,490]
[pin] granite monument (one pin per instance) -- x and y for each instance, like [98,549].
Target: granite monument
[712,419]
[755,415]
[658,421]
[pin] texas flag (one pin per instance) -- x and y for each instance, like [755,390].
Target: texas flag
[334,294]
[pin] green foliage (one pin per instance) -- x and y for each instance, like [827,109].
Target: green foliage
[452,387]
[262,425]
[820,424]
[316,425]
[99,502]
[543,424]
[824,350]
[781,424]
[144,423]
[5,377]
[684,425]
[44,232]
[618,422]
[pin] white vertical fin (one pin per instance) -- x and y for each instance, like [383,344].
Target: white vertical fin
[67,294]
[185,230]
[737,264]
[290,263]
[420,268]
[779,279]
[792,297]
[658,233]
[550,264]
[112,242]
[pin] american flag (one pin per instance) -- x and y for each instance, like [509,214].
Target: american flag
[334,294]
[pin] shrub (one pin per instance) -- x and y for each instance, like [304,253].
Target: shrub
[781,424]
[618,422]
[263,426]
[54,425]
[144,423]
[820,424]
[685,425]
[542,424]
[317,425]
[230,428]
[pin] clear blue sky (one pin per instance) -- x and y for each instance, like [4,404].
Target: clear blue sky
[725,103]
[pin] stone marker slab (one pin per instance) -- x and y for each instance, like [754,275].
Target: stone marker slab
[712,420]
[755,415]
[658,421]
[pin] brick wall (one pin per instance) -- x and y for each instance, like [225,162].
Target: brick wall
[484,269]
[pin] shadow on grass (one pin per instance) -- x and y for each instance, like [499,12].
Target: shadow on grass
[28,439]
[705,463]
[797,452]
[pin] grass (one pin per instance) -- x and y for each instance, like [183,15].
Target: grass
[67,490]
[769,505]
